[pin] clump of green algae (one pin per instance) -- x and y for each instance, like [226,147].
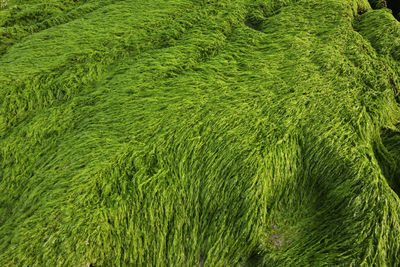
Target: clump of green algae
[183,133]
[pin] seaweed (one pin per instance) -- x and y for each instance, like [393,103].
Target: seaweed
[199,133]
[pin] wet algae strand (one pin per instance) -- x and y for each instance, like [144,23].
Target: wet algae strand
[191,133]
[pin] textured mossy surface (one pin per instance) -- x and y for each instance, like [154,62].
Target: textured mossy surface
[191,133]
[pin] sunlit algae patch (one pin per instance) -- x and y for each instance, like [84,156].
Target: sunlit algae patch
[194,132]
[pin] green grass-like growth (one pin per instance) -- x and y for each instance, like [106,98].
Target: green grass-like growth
[191,133]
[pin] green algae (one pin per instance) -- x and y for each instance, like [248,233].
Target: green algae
[183,133]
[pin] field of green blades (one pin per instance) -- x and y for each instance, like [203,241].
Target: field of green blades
[199,133]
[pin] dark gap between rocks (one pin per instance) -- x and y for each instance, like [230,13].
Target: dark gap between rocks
[394,5]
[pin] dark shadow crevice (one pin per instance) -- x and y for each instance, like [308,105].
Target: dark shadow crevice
[394,5]
[253,25]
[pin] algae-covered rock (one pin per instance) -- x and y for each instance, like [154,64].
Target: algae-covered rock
[191,133]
